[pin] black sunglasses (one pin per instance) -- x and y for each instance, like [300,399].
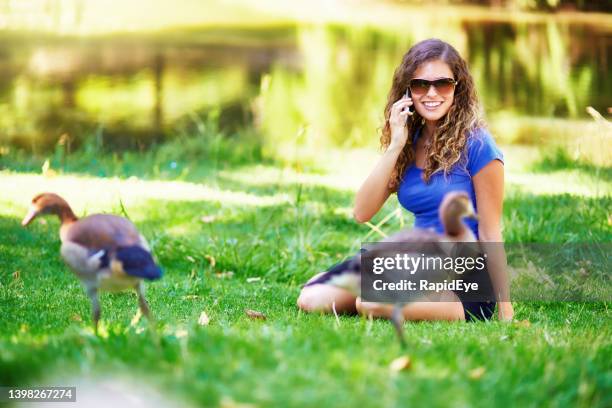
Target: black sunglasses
[443,86]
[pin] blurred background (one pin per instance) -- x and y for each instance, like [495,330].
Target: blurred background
[129,75]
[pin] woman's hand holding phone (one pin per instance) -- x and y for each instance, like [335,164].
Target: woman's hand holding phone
[400,114]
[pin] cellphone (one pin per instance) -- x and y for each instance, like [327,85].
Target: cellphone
[410,108]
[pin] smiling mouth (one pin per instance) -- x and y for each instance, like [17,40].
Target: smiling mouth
[432,105]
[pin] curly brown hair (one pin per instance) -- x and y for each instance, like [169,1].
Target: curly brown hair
[450,137]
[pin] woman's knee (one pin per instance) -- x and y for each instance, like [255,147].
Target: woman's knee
[308,300]
[323,298]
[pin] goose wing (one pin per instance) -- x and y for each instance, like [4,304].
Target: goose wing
[103,231]
[347,274]
[101,241]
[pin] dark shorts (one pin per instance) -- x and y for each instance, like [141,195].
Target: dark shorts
[475,311]
[478,310]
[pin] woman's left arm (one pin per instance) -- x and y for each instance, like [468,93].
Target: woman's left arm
[489,189]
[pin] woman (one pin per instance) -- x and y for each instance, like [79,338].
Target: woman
[434,141]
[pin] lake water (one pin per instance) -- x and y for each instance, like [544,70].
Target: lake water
[322,83]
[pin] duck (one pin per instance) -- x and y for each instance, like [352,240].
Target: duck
[106,252]
[454,208]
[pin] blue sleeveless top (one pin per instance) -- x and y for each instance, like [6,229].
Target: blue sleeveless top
[423,199]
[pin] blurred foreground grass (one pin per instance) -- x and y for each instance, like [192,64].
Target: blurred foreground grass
[217,215]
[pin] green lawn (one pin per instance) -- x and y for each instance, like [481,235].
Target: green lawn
[282,225]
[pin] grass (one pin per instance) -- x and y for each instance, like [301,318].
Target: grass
[281,225]
[559,159]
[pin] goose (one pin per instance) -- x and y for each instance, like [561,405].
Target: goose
[105,252]
[454,208]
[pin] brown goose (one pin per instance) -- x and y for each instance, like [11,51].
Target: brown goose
[106,252]
[455,207]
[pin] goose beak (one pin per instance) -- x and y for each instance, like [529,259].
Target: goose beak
[472,216]
[29,217]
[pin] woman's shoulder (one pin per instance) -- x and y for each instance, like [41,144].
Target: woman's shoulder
[481,149]
[479,136]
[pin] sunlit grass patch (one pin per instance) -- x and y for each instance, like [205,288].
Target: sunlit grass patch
[560,159]
[582,140]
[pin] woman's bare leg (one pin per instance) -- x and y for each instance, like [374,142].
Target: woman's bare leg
[321,297]
[447,308]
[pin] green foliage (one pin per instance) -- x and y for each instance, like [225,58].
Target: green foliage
[195,143]
[295,83]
